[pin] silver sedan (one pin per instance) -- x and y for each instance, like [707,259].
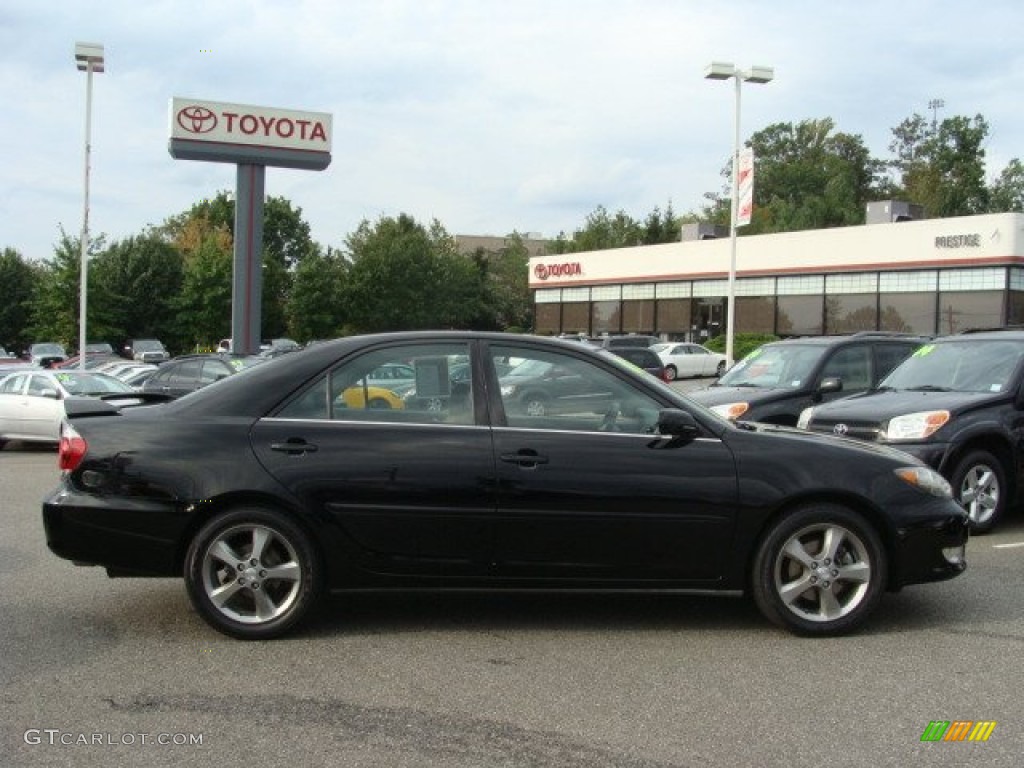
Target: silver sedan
[32,401]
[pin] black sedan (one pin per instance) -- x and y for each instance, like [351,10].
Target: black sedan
[268,489]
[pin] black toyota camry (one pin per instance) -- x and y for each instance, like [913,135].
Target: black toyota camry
[271,487]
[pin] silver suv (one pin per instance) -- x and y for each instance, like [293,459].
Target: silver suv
[146,350]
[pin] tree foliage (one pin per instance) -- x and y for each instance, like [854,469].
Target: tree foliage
[406,276]
[18,279]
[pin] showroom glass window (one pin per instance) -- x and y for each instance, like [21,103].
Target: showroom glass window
[907,301]
[801,305]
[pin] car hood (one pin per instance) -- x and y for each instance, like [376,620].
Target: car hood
[716,395]
[882,405]
[818,441]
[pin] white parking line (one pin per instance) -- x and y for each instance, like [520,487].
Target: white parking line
[1012,545]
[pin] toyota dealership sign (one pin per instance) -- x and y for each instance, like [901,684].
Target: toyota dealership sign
[240,133]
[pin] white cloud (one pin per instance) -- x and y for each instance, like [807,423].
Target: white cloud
[490,116]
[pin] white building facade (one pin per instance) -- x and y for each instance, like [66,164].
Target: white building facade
[934,276]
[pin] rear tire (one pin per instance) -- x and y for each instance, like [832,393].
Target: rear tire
[820,570]
[252,573]
[671,373]
[979,485]
[720,370]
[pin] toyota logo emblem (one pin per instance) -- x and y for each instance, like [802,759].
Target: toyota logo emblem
[840,429]
[197,119]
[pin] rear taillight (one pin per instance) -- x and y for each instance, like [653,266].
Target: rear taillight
[72,448]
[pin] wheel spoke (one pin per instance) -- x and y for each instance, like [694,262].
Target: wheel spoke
[793,590]
[859,572]
[829,607]
[260,538]
[832,540]
[284,572]
[221,595]
[795,549]
[265,608]
[223,552]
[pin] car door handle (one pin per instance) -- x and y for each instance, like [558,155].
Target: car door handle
[294,446]
[527,458]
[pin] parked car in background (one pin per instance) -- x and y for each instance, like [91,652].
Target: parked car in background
[5,354]
[957,405]
[188,373]
[775,382]
[686,360]
[46,353]
[628,340]
[644,358]
[146,350]
[99,348]
[32,401]
[264,493]
[276,347]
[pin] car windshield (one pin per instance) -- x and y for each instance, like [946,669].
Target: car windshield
[148,345]
[47,349]
[90,384]
[965,365]
[783,366]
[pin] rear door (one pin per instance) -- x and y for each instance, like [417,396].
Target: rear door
[410,488]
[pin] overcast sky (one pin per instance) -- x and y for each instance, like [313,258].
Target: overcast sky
[491,116]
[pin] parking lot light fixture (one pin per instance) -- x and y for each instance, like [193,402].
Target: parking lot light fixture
[89,59]
[722,70]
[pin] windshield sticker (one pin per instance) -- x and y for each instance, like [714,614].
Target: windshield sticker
[237,365]
[927,349]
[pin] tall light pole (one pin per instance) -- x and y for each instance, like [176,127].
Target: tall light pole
[89,58]
[719,70]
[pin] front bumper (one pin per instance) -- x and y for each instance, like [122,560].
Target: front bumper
[931,550]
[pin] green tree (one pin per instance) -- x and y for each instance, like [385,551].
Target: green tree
[133,287]
[941,166]
[601,231]
[405,277]
[54,309]
[18,280]
[806,176]
[316,305]
[507,290]
[1007,191]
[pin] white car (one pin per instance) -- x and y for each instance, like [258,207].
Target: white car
[32,401]
[684,359]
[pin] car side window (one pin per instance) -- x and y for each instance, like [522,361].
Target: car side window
[434,393]
[213,370]
[888,356]
[39,385]
[186,373]
[13,385]
[853,365]
[543,389]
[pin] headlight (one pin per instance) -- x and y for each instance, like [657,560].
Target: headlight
[731,411]
[928,480]
[507,390]
[916,426]
[805,418]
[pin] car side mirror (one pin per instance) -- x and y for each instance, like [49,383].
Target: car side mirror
[53,394]
[677,423]
[830,384]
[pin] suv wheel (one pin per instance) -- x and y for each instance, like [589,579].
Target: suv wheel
[819,570]
[979,484]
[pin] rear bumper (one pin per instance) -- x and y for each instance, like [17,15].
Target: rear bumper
[138,537]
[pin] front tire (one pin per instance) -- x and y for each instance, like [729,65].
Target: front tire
[671,373]
[252,573]
[979,483]
[820,570]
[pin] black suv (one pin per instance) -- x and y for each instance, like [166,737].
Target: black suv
[777,381]
[958,405]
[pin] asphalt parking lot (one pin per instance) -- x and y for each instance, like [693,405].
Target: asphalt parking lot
[100,672]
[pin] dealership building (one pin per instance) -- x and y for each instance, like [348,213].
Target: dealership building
[895,273]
